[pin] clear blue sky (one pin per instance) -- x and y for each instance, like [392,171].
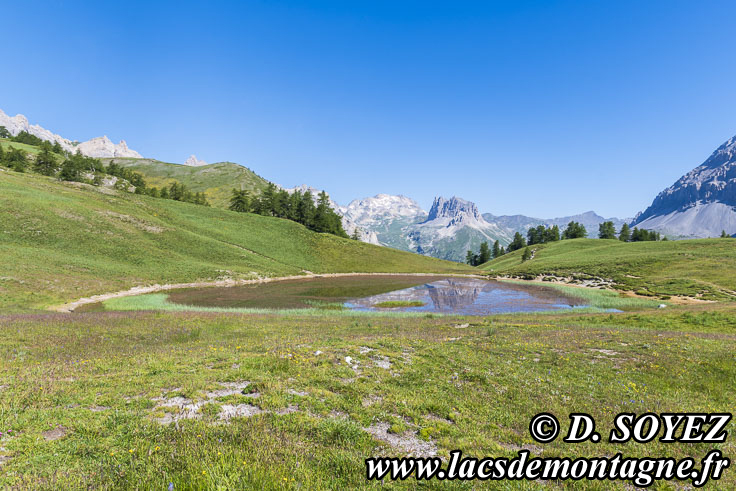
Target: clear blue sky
[544,108]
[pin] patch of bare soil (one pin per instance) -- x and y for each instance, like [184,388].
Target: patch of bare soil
[54,434]
[407,442]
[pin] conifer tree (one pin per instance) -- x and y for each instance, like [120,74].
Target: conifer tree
[606,230]
[496,250]
[485,253]
[526,255]
[625,234]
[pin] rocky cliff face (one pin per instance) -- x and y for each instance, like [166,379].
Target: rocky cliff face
[702,203]
[451,227]
[100,147]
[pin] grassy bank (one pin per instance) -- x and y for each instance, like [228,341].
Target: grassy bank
[698,268]
[62,241]
[83,394]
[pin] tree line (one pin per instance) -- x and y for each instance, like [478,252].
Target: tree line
[543,234]
[300,207]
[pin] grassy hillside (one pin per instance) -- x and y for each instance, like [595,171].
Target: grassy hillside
[704,267]
[5,143]
[61,241]
[215,180]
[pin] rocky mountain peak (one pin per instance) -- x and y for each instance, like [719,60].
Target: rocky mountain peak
[193,161]
[453,208]
[99,147]
[701,203]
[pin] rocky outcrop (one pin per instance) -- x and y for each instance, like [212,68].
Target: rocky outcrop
[193,161]
[702,203]
[102,147]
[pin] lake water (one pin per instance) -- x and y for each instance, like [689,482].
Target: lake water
[447,295]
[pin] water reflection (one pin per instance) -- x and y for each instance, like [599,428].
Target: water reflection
[469,296]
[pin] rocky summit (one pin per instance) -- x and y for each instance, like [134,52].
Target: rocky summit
[702,203]
[100,147]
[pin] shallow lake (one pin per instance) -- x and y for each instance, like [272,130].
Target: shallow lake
[448,295]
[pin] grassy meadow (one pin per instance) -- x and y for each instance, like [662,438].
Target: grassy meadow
[227,401]
[701,268]
[64,241]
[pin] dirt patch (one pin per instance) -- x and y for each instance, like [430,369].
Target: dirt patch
[228,411]
[382,362]
[232,388]
[55,434]
[407,442]
[136,222]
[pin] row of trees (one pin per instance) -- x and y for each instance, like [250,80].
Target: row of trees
[298,206]
[542,234]
[606,230]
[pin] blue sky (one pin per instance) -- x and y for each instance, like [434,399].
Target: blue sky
[542,108]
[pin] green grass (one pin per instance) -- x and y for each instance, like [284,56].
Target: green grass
[215,180]
[703,268]
[392,304]
[22,146]
[80,392]
[63,241]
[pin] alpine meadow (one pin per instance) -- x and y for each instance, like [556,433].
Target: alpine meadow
[367,245]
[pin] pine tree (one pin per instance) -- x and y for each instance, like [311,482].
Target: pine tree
[4,133]
[45,162]
[625,234]
[574,230]
[724,235]
[517,243]
[606,230]
[496,250]
[552,234]
[356,234]
[485,253]
[526,255]
[240,201]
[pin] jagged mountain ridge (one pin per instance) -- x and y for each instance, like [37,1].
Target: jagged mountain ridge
[702,203]
[99,147]
[448,230]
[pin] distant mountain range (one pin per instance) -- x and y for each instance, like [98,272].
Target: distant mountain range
[521,223]
[702,203]
[96,147]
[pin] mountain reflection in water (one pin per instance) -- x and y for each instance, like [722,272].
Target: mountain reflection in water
[470,296]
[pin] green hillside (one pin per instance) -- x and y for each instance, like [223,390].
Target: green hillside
[62,241]
[704,268]
[215,180]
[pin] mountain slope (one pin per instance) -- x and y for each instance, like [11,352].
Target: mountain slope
[702,203]
[62,241]
[215,180]
[705,267]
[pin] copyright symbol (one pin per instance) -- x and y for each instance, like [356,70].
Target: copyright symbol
[544,427]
